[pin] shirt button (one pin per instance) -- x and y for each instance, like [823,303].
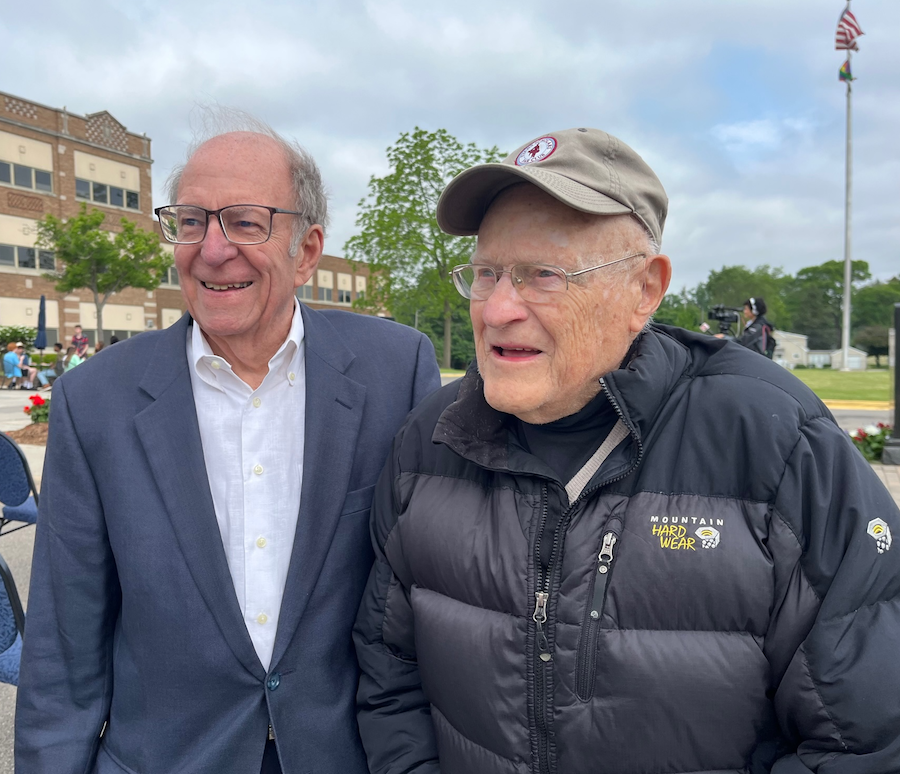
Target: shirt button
[262,618]
[216,364]
[261,542]
[258,469]
[274,681]
[257,403]
[291,376]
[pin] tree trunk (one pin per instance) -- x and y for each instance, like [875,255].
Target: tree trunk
[98,304]
[448,319]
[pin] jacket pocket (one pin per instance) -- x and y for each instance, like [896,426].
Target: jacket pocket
[586,659]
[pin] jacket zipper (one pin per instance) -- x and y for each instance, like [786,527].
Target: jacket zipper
[586,660]
[542,596]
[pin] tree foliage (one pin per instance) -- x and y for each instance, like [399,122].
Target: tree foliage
[103,262]
[815,300]
[399,238]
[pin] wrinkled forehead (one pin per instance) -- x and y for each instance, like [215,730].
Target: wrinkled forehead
[523,222]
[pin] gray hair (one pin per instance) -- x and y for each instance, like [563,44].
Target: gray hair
[310,195]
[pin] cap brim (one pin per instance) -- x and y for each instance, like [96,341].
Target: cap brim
[466,199]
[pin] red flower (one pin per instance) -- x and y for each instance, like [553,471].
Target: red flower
[37,400]
[27,409]
[861,435]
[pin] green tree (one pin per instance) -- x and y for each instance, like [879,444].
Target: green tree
[410,257]
[679,309]
[90,257]
[815,301]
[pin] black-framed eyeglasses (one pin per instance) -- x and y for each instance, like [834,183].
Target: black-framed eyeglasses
[242,224]
[536,282]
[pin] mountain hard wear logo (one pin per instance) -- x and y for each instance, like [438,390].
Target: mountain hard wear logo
[881,532]
[709,537]
[537,151]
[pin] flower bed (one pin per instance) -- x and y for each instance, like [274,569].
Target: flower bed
[870,440]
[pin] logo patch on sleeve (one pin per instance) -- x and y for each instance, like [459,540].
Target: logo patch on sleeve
[881,533]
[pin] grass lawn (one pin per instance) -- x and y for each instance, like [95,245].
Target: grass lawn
[846,385]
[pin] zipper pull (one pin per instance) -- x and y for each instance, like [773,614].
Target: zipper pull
[604,560]
[540,618]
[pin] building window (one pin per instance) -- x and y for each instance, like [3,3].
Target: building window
[172,276]
[25,177]
[112,195]
[27,258]
[305,292]
[344,297]
[325,294]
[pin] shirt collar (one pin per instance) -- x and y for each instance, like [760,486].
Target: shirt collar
[285,362]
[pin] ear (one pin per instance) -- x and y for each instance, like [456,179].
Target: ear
[654,283]
[308,254]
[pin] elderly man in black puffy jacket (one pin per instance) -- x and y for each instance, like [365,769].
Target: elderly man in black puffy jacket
[613,546]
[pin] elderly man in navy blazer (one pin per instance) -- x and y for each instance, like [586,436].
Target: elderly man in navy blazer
[203,542]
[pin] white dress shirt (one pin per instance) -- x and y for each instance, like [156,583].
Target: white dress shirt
[253,449]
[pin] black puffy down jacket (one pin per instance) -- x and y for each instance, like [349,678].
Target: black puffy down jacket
[721,597]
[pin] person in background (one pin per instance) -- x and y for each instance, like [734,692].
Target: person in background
[29,372]
[46,376]
[71,359]
[80,342]
[99,346]
[757,333]
[11,368]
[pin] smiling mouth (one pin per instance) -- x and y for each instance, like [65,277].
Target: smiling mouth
[516,352]
[232,286]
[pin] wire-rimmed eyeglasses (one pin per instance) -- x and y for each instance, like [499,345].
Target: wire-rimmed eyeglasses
[536,282]
[242,224]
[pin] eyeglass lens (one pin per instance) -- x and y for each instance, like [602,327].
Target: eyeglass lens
[243,224]
[533,281]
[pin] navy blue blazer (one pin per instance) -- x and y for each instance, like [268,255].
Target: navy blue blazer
[133,623]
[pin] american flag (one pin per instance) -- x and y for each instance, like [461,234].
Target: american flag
[848,30]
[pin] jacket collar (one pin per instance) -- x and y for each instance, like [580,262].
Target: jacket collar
[638,390]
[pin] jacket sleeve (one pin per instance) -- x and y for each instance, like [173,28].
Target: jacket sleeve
[752,337]
[427,377]
[839,627]
[394,715]
[65,684]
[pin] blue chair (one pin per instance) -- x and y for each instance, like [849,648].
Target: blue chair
[12,627]
[17,491]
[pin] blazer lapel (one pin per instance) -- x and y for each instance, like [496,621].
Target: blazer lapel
[334,408]
[170,434]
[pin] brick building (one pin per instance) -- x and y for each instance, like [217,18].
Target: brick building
[52,161]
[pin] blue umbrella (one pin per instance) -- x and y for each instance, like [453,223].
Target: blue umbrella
[40,341]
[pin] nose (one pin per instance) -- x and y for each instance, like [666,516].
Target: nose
[215,248]
[504,305]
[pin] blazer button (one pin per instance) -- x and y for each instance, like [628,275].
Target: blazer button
[274,681]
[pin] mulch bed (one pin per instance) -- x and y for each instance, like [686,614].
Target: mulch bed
[35,434]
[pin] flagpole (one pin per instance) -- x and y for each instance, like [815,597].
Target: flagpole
[845,332]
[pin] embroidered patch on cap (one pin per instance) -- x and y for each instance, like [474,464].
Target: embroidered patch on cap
[881,532]
[537,151]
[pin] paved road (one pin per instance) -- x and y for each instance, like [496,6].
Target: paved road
[16,548]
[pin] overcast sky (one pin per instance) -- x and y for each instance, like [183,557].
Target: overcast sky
[736,104]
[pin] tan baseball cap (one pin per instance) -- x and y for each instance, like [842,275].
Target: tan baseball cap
[587,169]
